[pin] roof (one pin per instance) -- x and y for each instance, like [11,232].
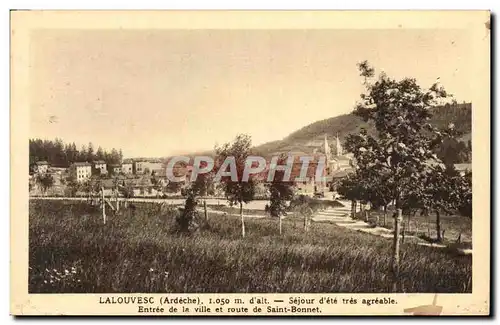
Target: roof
[82,163]
[99,162]
[463,167]
[342,173]
[114,165]
[127,162]
[42,162]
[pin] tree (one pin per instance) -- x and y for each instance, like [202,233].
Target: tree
[173,187]
[404,141]
[203,185]
[301,204]
[44,181]
[72,187]
[351,189]
[187,219]
[126,190]
[465,207]
[99,154]
[236,190]
[445,192]
[281,192]
[90,152]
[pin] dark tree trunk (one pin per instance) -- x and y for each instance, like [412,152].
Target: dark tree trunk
[438,226]
[385,215]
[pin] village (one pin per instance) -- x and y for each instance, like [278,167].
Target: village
[147,178]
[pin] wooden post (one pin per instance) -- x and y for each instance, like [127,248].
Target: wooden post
[205,210]
[395,258]
[103,206]
[242,220]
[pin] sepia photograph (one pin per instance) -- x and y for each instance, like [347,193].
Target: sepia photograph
[252,161]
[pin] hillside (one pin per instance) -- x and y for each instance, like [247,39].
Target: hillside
[311,136]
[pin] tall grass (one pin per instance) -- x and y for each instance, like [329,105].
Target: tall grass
[136,251]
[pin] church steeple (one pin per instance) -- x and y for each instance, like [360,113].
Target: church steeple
[339,146]
[327,149]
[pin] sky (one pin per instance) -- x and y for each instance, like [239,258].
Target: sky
[165,92]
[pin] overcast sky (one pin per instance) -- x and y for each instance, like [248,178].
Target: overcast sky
[164,92]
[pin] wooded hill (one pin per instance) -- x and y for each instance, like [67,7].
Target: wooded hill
[311,136]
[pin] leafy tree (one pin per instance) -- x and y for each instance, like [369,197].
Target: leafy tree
[445,192]
[126,190]
[302,205]
[72,187]
[351,189]
[187,220]
[173,187]
[404,141]
[236,190]
[90,152]
[99,154]
[281,192]
[465,207]
[44,181]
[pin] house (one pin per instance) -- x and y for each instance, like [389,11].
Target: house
[143,166]
[115,169]
[41,167]
[101,165]
[127,167]
[81,171]
[138,167]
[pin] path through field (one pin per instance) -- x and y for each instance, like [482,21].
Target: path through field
[340,216]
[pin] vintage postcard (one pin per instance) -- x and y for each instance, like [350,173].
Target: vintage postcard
[250,163]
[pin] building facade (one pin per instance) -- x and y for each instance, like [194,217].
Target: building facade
[141,167]
[127,168]
[115,169]
[101,165]
[41,167]
[81,171]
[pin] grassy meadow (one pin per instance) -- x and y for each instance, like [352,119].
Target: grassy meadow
[136,251]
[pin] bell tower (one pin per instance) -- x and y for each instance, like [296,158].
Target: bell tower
[339,146]
[328,153]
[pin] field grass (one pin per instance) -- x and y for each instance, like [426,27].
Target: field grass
[234,210]
[72,251]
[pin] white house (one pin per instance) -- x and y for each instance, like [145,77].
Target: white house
[41,167]
[81,171]
[127,167]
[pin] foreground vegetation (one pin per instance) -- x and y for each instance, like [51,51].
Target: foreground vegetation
[136,251]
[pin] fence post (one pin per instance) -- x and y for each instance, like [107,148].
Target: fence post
[395,258]
[103,206]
